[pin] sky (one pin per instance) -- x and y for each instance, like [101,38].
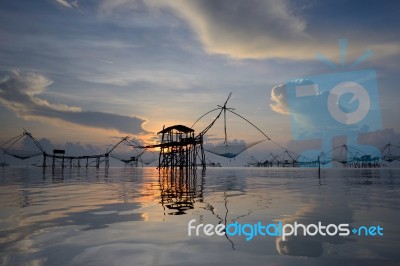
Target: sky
[85,72]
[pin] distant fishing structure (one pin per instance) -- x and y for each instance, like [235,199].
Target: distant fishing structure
[59,159]
[229,150]
[345,155]
[180,148]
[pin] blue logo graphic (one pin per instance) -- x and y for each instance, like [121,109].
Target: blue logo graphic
[343,103]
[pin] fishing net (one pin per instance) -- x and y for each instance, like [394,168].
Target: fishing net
[123,157]
[22,155]
[230,150]
[148,157]
[390,153]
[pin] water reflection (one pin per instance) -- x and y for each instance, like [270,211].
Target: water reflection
[34,205]
[312,213]
[58,175]
[226,180]
[179,190]
[135,216]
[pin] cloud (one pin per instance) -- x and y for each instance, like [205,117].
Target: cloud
[311,116]
[279,100]
[258,29]
[108,7]
[68,3]
[19,92]
[380,138]
[72,149]
[243,29]
[154,78]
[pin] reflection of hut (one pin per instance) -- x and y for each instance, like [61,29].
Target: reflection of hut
[180,148]
[179,190]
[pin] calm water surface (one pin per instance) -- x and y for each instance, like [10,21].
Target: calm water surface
[138,216]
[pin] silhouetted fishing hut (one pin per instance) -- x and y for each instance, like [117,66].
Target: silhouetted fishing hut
[180,148]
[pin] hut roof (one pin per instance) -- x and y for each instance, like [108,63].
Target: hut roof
[180,128]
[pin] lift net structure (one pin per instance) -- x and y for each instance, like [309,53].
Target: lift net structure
[131,153]
[228,149]
[345,155]
[25,146]
[22,147]
[180,147]
[390,153]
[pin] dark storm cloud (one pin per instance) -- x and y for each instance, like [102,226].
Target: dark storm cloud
[20,91]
